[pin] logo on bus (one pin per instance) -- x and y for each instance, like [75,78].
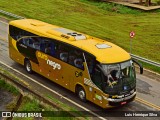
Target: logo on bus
[49,62]
[54,64]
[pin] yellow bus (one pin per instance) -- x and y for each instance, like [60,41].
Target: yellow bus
[95,69]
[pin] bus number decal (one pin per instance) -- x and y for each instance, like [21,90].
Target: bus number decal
[77,74]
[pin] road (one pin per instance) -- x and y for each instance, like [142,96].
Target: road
[148,97]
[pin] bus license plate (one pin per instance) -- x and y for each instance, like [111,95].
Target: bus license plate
[123,103]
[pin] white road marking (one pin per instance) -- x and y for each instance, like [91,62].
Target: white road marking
[4,22]
[102,118]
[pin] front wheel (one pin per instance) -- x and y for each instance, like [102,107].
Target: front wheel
[81,94]
[28,66]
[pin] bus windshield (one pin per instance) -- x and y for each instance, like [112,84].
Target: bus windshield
[118,78]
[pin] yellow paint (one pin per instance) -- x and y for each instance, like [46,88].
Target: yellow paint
[14,44]
[147,103]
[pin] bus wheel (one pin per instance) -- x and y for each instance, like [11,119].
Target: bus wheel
[28,66]
[81,94]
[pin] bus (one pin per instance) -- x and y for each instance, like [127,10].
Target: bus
[95,69]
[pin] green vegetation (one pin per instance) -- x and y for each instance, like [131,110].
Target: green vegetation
[8,87]
[6,72]
[67,107]
[51,112]
[34,105]
[151,67]
[112,7]
[29,105]
[107,21]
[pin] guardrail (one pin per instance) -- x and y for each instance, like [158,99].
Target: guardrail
[133,56]
[11,14]
[145,60]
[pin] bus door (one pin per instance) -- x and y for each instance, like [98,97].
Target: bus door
[94,83]
[97,90]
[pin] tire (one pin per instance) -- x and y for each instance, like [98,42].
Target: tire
[81,94]
[28,66]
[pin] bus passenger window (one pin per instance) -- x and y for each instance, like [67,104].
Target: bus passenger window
[30,42]
[72,57]
[36,43]
[53,49]
[25,41]
[64,56]
[62,53]
[47,49]
[78,62]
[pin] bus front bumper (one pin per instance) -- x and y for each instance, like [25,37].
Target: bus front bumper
[121,101]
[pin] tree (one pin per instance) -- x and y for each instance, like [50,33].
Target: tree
[140,2]
[147,3]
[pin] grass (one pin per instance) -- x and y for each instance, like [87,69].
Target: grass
[107,21]
[151,67]
[29,105]
[4,71]
[5,86]
[34,106]
[67,107]
[8,87]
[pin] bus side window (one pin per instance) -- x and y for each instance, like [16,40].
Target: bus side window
[47,48]
[97,78]
[90,63]
[14,32]
[72,57]
[78,62]
[30,42]
[53,49]
[62,52]
[17,33]
[36,43]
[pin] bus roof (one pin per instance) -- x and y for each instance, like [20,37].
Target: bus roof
[105,52]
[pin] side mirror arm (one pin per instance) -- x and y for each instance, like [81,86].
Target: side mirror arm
[140,65]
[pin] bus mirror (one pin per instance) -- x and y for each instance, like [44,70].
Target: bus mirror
[141,70]
[140,65]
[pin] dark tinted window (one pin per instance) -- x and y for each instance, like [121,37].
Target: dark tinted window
[17,33]
[91,62]
[70,55]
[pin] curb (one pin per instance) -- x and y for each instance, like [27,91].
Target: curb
[148,73]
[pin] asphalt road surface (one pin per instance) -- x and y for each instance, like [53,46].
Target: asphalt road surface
[148,92]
